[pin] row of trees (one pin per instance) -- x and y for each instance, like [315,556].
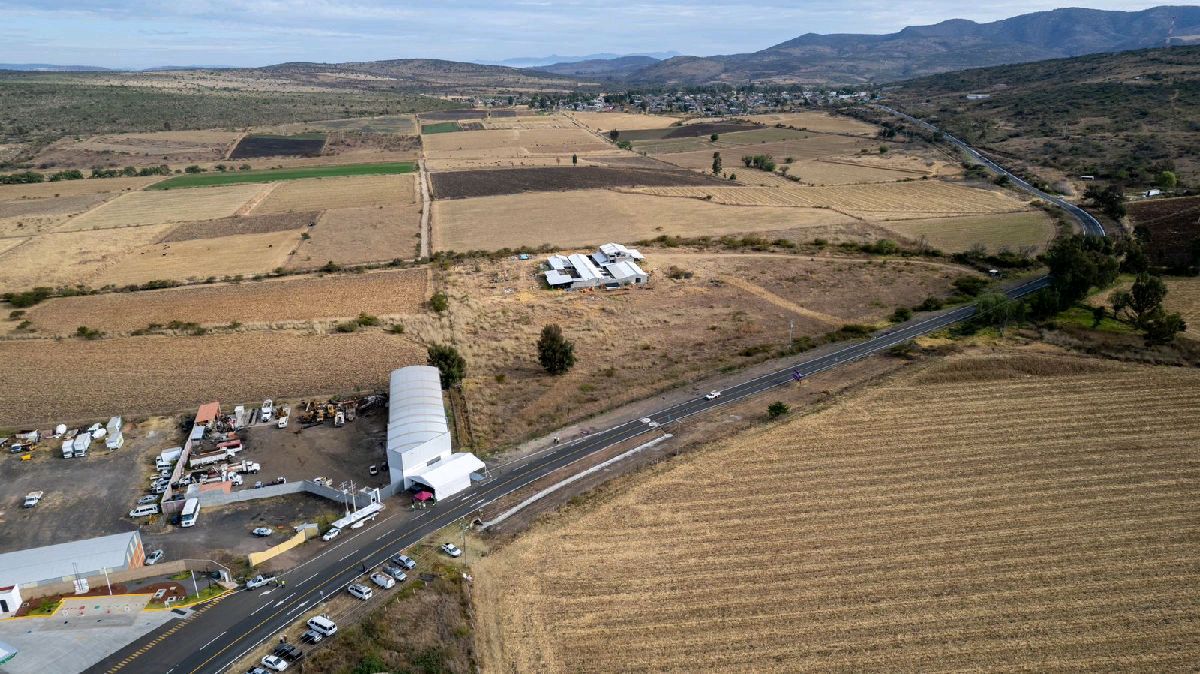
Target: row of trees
[29,177]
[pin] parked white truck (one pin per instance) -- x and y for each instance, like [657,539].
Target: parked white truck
[243,466]
[215,456]
[167,457]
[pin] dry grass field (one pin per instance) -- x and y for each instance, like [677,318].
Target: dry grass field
[198,259]
[11,242]
[71,188]
[246,224]
[155,207]
[993,512]
[1027,229]
[819,122]
[880,201]
[679,330]
[68,258]
[691,152]
[316,194]
[358,235]
[140,148]
[622,121]
[584,217]
[254,304]
[144,375]
[26,217]
[510,144]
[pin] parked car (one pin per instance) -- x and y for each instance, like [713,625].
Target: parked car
[274,662]
[147,499]
[289,652]
[331,534]
[383,580]
[311,637]
[257,670]
[322,625]
[33,498]
[360,591]
[153,557]
[259,581]
[451,549]
[404,562]
[396,572]
[263,531]
[268,411]
[374,470]
[712,395]
[144,511]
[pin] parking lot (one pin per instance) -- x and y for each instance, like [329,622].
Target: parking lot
[340,454]
[84,497]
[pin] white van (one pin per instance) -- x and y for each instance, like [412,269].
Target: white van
[358,590]
[145,510]
[323,625]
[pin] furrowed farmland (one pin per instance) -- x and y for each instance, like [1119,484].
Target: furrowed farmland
[1007,510]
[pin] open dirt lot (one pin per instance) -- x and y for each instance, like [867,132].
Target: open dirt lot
[358,235]
[274,302]
[1028,229]
[488,223]
[402,125]
[495,145]
[248,224]
[68,258]
[486,183]
[198,259]
[883,533]
[341,454]
[317,194]
[676,330]
[85,497]
[155,207]
[158,374]
[621,121]
[1173,225]
[819,122]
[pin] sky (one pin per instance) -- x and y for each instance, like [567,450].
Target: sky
[145,33]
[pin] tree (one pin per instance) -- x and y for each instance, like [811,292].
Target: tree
[574,160]
[1110,200]
[450,364]
[713,138]
[777,409]
[555,352]
[716,165]
[439,302]
[997,309]
[1143,299]
[614,134]
[1162,327]
[1168,180]
[1079,263]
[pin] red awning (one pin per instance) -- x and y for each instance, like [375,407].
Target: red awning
[422,496]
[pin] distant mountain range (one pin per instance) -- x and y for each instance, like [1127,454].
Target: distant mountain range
[947,46]
[49,67]
[556,59]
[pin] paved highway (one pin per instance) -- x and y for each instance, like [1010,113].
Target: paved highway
[1090,224]
[216,638]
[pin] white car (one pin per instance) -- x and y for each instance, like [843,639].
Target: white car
[396,573]
[268,411]
[383,580]
[144,511]
[359,590]
[274,662]
[147,499]
[712,395]
[331,534]
[259,581]
[33,498]
[263,531]
[405,562]
[451,549]
[153,557]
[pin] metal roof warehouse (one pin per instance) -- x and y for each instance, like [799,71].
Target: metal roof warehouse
[56,563]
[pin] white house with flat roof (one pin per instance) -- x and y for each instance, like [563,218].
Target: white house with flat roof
[418,437]
[613,266]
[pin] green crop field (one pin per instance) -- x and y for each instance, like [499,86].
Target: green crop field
[268,176]
[440,127]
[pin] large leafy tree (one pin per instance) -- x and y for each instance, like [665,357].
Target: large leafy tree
[450,364]
[555,352]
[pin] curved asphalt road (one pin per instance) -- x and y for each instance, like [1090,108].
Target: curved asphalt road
[225,632]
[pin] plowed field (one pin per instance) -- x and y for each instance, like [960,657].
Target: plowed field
[1008,512]
[325,193]
[364,234]
[70,257]
[198,259]
[155,207]
[485,183]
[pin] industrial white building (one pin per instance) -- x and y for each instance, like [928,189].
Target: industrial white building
[418,437]
[77,559]
[613,266]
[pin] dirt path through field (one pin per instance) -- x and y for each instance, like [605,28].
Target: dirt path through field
[855,260]
[425,206]
[257,199]
[788,305]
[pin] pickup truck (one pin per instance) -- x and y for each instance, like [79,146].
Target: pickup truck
[215,456]
[259,581]
[244,466]
[33,498]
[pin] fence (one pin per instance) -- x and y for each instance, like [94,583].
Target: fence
[307,532]
[273,490]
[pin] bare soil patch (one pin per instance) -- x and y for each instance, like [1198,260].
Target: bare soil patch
[156,207]
[692,154]
[513,143]
[891,547]
[139,149]
[621,121]
[250,224]
[488,223]
[143,375]
[25,217]
[685,131]
[1173,223]
[274,303]
[485,183]
[315,194]
[254,146]
[451,115]
[819,122]
[198,259]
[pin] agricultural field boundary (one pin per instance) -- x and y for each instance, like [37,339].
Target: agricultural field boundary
[787,305]
[274,175]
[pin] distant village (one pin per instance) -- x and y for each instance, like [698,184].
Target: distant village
[709,102]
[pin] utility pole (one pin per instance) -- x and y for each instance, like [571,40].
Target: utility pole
[106,582]
[195,586]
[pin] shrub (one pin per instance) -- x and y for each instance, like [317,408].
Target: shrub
[555,352]
[450,364]
[901,314]
[28,298]
[88,333]
[930,303]
[970,285]
[777,409]
[346,326]
[366,320]
[439,302]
